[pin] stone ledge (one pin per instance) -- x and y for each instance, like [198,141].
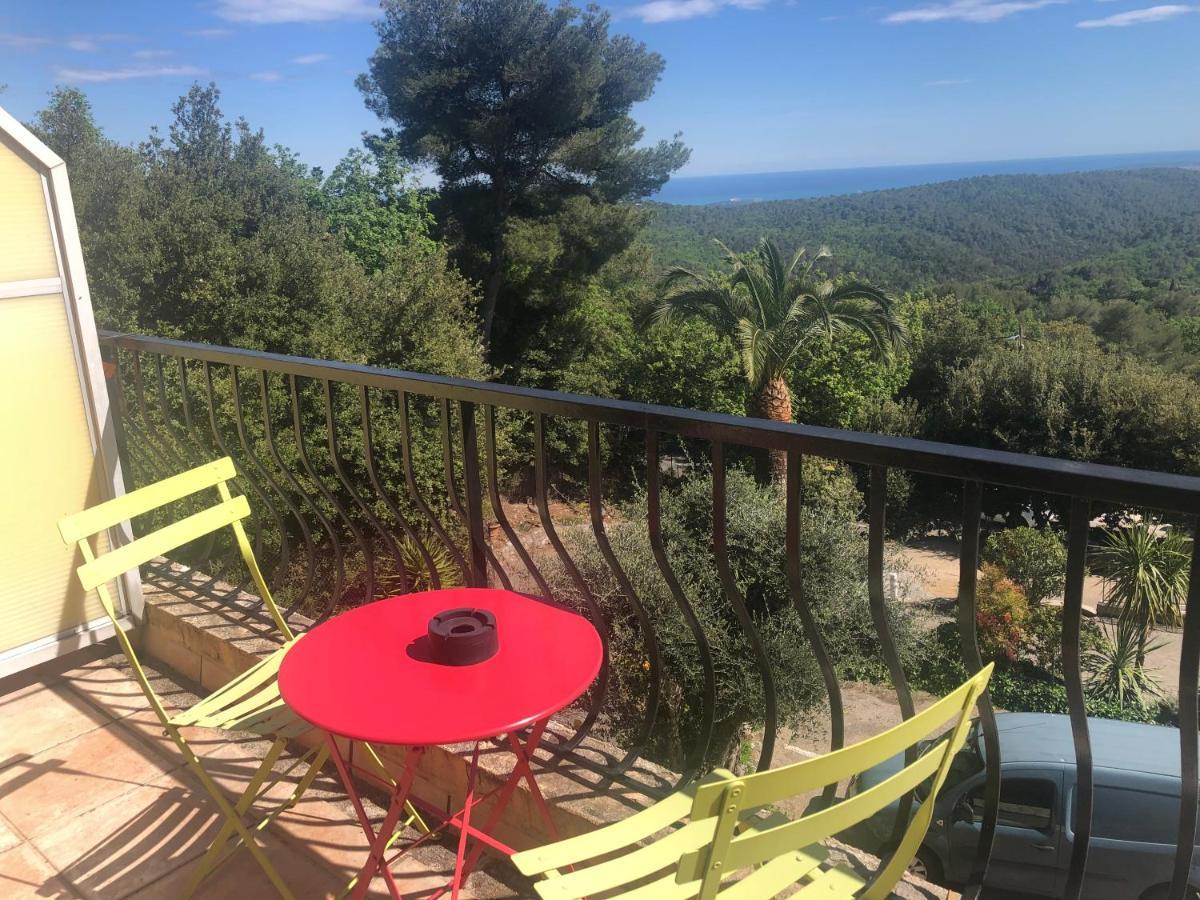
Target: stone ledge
[203,630]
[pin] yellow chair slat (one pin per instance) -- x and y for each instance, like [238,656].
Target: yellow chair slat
[812,774]
[609,839]
[776,875]
[261,673]
[133,554]
[755,847]
[113,512]
[633,866]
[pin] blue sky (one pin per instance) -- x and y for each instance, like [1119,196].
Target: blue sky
[754,85]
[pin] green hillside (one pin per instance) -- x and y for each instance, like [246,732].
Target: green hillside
[968,230]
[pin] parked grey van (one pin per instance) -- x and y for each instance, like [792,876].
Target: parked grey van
[1135,809]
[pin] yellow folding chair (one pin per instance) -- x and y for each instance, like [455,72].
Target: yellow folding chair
[732,846]
[250,702]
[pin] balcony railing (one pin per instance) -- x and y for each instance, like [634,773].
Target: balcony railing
[352,503]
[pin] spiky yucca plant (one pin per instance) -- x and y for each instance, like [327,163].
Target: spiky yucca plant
[1147,575]
[1116,669]
[771,309]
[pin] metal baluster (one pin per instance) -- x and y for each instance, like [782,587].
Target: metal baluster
[157,459]
[281,567]
[414,494]
[1189,760]
[335,457]
[968,570]
[649,638]
[255,521]
[364,402]
[883,629]
[596,614]
[654,526]
[481,553]
[310,547]
[738,602]
[498,506]
[1077,537]
[812,629]
[477,578]
[197,441]
[327,494]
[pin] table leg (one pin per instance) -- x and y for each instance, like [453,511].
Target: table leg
[378,841]
[521,771]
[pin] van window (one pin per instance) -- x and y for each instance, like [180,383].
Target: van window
[1024,802]
[1123,814]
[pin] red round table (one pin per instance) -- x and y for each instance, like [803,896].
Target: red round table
[368,675]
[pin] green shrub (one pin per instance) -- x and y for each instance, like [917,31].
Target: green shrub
[833,565]
[1034,558]
[935,665]
[1001,612]
[1042,642]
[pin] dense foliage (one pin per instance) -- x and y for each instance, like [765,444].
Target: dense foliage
[523,110]
[833,557]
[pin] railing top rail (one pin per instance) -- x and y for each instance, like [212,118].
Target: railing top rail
[1110,484]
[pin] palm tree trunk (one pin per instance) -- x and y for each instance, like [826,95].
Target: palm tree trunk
[773,401]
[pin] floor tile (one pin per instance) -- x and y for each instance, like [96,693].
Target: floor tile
[131,841]
[8,836]
[337,840]
[73,777]
[24,874]
[242,877]
[47,717]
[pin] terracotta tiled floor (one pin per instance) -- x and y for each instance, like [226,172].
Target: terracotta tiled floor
[95,802]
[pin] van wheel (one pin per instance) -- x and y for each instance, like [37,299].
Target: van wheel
[926,865]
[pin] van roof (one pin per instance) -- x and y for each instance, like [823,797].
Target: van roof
[1046,737]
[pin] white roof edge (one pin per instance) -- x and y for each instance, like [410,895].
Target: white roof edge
[18,134]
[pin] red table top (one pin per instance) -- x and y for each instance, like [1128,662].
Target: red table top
[366,674]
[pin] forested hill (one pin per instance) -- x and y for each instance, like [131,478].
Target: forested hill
[976,228]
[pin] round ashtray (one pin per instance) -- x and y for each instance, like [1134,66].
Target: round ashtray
[463,637]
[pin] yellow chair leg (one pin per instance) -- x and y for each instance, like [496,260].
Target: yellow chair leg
[233,821]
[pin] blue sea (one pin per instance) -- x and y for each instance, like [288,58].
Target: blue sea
[830,182]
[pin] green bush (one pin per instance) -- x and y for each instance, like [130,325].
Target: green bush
[833,564]
[1042,643]
[1034,558]
[935,665]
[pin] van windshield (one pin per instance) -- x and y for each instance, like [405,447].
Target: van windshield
[967,762]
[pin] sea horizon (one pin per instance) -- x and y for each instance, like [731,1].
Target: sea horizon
[757,187]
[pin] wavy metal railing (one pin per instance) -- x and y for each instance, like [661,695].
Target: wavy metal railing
[347,496]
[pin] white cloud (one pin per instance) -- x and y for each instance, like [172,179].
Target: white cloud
[211,33]
[678,10]
[269,12]
[310,58]
[81,42]
[22,40]
[151,54]
[1139,16]
[979,11]
[129,72]
[266,76]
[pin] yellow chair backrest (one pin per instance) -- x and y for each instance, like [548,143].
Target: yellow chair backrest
[730,798]
[96,571]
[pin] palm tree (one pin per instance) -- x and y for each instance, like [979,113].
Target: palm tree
[771,310]
[1147,575]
